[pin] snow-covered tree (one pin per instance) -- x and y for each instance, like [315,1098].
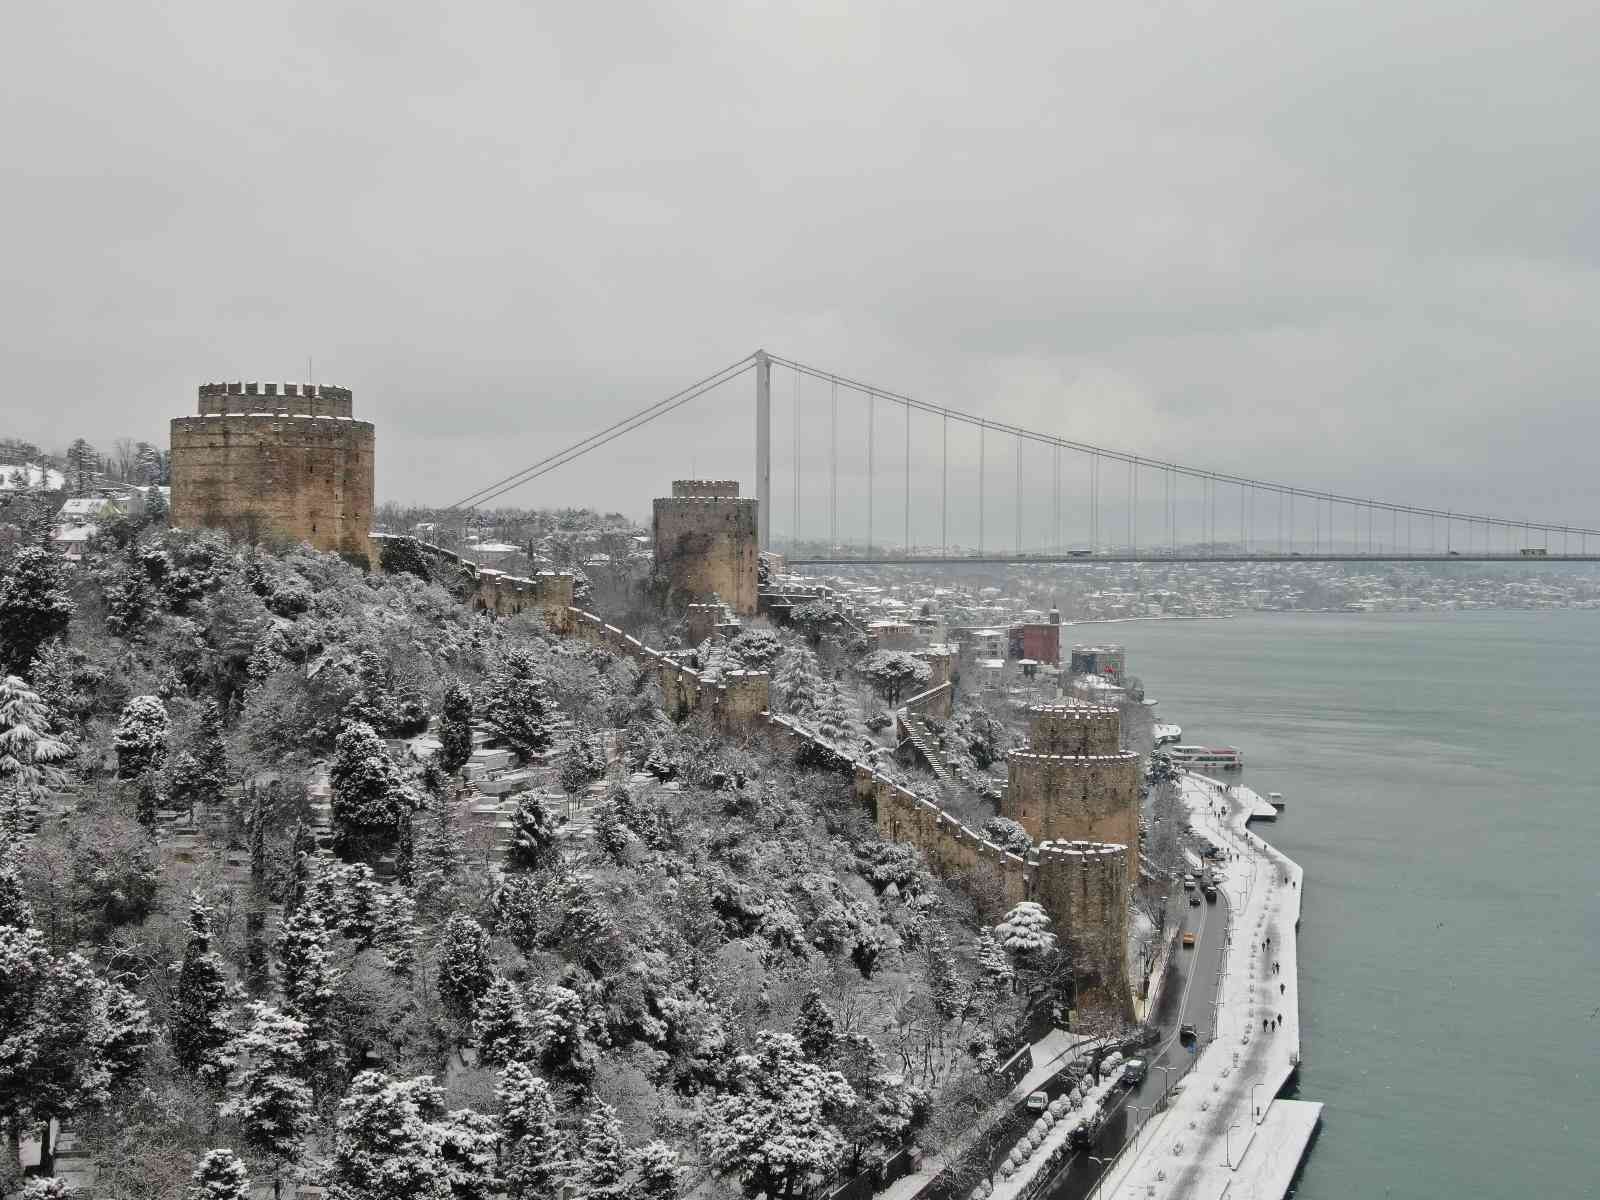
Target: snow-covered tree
[394,931]
[15,911]
[655,1171]
[799,683]
[28,748]
[34,607]
[67,1037]
[501,1028]
[309,979]
[535,1160]
[128,599]
[200,773]
[558,1034]
[583,762]
[141,737]
[464,970]
[220,1175]
[1026,931]
[202,1004]
[1008,835]
[774,1127]
[455,727]
[370,796]
[815,1028]
[757,649]
[517,703]
[270,1098]
[894,673]
[602,1160]
[394,1141]
[46,1187]
[533,835]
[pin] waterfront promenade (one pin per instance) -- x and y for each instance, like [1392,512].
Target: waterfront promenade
[1225,1132]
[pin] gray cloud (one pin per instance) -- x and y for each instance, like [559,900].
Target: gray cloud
[1353,246]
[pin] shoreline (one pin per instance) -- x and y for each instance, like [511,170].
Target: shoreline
[1229,1127]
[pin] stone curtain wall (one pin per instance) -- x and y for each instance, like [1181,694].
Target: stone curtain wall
[707,542]
[263,465]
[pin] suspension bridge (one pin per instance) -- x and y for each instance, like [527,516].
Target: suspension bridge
[1068,501]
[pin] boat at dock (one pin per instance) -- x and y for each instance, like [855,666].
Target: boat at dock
[1166,733]
[1276,800]
[1212,758]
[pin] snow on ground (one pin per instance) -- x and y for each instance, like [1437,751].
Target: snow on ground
[1226,1131]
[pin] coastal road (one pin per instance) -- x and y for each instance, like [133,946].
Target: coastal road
[1187,999]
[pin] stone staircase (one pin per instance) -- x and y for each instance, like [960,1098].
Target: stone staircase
[926,744]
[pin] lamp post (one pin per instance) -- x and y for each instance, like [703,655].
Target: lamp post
[1228,1146]
[1167,1072]
[1102,1163]
[1138,1124]
[1257,1111]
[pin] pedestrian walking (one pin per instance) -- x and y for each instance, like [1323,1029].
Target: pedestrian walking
[1281,988]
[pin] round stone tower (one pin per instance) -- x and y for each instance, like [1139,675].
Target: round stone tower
[707,543]
[1075,782]
[265,462]
[1084,886]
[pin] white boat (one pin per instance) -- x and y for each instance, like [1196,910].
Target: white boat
[1165,733]
[1276,800]
[1204,758]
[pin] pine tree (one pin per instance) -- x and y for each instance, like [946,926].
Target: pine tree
[270,1099]
[517,703]
[602,1156]
[440,856]
[34,607]
[558,1035]
[533,835]
[307,976]
[394,932]
[28,752]
[389,1141]
[464,968]
[815,1028]
[83,460]
[141,737]
[370,797]
[501,1027]
[535,1151]
[210,753]
[128,599]
[455,728]
[199,1029]
[299,852]
[774,1126]
[220,1176]
[657,1171]
[148,459]
[15,911]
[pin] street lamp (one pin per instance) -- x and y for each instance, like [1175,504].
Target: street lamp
[1253,1088]
[1228,1146]
[1103,1163]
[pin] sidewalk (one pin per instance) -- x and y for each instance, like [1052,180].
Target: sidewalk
[1226,1131]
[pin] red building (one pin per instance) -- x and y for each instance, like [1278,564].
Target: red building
[1039,641]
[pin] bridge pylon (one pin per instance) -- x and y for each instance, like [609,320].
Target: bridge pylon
[764,449]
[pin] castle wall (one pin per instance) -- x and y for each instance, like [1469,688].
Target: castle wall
[707,542]
[262,464]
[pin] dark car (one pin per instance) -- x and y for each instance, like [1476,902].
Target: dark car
[1211,852]
[1187,1033]
[1084,1133]
[1210,893]
[1194,899]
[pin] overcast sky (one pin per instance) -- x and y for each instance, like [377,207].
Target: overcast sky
[1354,246]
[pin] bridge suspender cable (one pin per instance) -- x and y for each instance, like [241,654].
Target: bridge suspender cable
[611,432]
[1208,479]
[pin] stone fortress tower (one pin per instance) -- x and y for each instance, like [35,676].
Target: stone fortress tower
[1076,791]
[263,461]
[707,542]
[1075,782]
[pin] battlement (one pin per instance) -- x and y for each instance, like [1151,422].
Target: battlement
[705,489]
[295,399]
[1084,854]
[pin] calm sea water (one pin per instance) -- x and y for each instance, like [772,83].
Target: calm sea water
[1442,774]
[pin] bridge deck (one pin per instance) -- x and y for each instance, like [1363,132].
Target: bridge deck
[1156,556]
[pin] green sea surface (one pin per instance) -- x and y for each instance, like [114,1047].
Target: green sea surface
[1443,796]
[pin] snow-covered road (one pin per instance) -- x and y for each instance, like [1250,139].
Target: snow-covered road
[1226,1132]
